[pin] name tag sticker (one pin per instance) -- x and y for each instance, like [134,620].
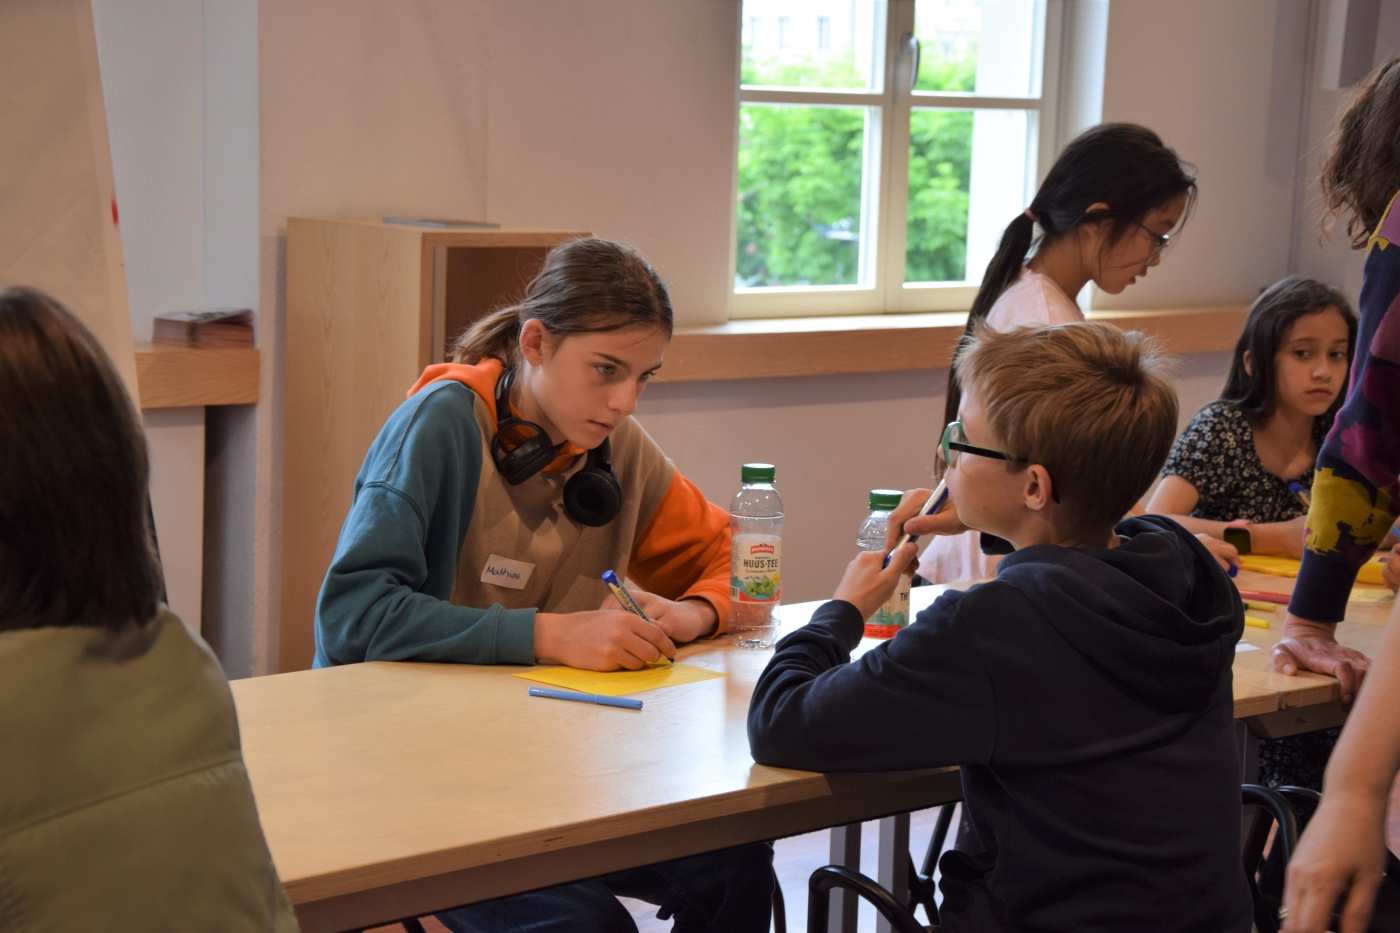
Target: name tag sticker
[502,571]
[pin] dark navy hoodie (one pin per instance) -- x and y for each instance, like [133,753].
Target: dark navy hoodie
[1086,695]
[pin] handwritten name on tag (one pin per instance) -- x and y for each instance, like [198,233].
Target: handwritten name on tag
[502,571]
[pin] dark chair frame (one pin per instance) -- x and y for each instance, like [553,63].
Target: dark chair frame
[824,879]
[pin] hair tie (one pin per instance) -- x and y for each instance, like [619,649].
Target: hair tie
[1030,213]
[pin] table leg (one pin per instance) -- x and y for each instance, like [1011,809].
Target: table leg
[845,850]
[894,862]
[1248,744]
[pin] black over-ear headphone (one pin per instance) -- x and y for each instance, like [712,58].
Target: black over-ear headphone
[592,496]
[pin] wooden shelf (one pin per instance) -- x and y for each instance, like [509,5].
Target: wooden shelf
[885,343]
[183,377]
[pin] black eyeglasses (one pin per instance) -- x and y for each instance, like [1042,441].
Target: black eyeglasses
[1160,241]
[954,442]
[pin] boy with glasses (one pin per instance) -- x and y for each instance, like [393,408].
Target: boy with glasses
[1085,692]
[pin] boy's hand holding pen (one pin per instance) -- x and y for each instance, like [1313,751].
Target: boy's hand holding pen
[910,518]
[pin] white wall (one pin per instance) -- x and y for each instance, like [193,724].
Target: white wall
[1205,76]
[180,85]
[151,60]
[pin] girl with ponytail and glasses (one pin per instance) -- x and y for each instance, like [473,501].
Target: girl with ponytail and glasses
[1106,212]
[488,509]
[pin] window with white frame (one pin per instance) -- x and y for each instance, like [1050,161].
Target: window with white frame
[883,147]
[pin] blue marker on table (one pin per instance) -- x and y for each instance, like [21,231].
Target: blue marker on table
[931,507]
[620,702]
[625,598]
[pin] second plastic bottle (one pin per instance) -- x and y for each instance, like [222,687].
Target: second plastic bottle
[894,614]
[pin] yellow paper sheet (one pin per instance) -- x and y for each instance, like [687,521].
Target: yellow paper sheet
[1367,595]
[1264,563]
[1371,571]
[619,683]
[1288,567]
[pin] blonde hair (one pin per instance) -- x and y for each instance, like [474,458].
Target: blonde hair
[585,285]
[1089,402]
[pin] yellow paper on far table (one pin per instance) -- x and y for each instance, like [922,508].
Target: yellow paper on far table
[1366,595]
[618,683]
[1265,563]
[1371,571]
[1288,567]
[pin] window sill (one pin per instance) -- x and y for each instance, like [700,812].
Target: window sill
[891,342]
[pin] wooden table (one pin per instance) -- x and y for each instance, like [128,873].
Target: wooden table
[393,790]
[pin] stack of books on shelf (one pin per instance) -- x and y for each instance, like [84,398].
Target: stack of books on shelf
[223,327]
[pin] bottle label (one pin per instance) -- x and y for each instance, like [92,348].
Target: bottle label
[753,569]
[893,615]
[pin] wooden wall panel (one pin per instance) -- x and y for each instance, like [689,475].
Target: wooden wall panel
[354,341]
[58,228]
[482,280]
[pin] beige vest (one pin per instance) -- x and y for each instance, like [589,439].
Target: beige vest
[528,524]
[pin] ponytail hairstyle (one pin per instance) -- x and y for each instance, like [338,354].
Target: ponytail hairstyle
[1361,170]
[586,286]
[1252,391]
[1123,165]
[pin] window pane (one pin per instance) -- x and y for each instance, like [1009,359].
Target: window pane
[991,48]
[813,43]
[800,181]
[968,177]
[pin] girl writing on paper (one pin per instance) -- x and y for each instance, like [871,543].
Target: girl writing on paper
[486,513]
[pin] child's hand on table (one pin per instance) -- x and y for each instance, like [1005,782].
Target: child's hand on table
[1390,571]
[1223,551]
[906,519]
[604,640]
[866,586]
[684,621]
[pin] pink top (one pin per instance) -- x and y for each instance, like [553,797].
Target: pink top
[1032,299]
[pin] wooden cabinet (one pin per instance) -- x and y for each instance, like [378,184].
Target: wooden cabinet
[369,305]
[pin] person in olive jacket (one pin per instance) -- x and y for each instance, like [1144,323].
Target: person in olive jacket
[124,802]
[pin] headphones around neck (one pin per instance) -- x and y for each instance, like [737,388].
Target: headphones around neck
[592,496]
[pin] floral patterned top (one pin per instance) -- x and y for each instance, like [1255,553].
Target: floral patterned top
[1216,455]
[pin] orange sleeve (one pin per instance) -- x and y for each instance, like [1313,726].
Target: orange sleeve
[683,551]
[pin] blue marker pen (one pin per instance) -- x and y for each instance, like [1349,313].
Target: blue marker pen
[620,702]
[931,507]
[620,593]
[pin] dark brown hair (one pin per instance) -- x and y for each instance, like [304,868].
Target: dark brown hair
[75,546]
[1089,402]
[586,285]
[1361,170]
[1123,165]
[1272,313]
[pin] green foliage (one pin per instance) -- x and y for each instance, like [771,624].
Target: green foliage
[800,174]
[940,168]
[799,180]
[799,183]
[957,72]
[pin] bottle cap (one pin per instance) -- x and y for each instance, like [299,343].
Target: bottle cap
[757,473]
[885,500]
